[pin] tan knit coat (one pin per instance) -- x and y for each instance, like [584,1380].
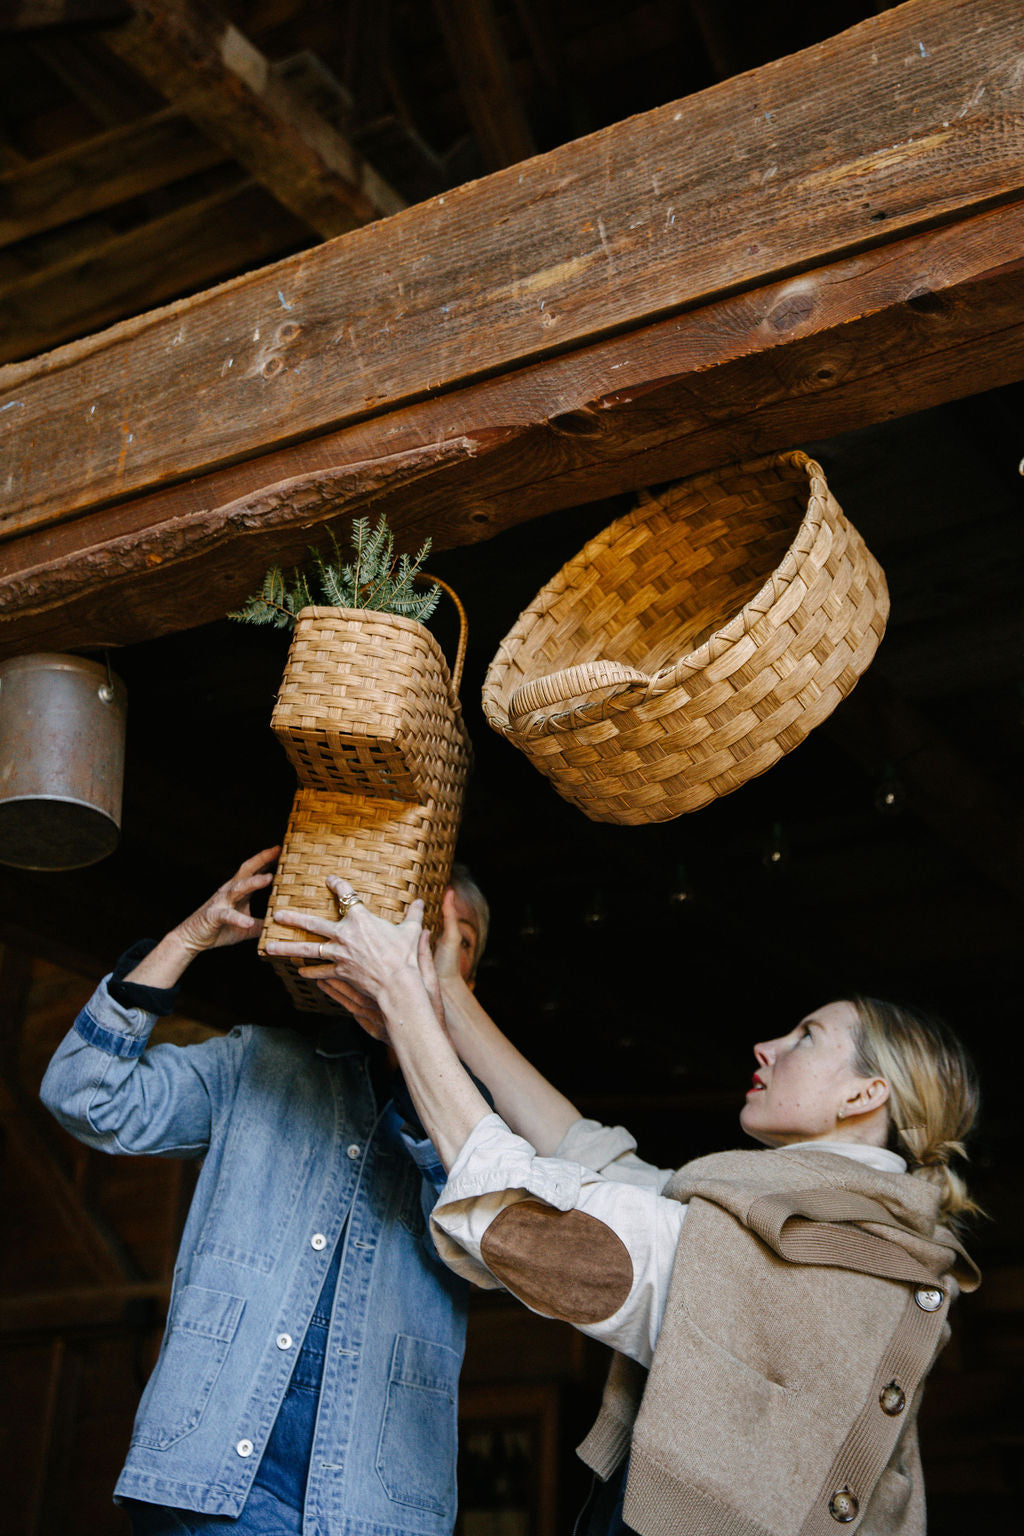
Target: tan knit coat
[807,1304]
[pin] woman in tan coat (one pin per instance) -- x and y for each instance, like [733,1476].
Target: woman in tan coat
[774,1313]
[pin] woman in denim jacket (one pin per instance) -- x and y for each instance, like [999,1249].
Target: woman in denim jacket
[307,1377]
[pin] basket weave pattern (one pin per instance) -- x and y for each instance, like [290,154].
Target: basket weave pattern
[369,716]
[692,643]
[372,730]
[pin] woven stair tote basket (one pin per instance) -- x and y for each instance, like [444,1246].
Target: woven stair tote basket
[692,643]
[369,715]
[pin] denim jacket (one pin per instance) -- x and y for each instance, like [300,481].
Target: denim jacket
[294,1151]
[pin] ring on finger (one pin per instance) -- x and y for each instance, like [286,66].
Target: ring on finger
[320,952]
[348,901]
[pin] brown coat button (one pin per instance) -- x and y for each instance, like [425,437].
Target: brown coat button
[843,1506]
[893,1399]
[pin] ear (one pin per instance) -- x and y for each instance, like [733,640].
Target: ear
[871,1094]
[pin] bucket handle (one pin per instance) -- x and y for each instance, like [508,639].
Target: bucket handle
[460,650]
[557,689]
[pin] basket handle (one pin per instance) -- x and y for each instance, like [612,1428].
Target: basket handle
[460,650]
[609,677]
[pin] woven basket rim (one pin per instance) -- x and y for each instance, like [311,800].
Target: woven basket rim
[690,662]
[411,626]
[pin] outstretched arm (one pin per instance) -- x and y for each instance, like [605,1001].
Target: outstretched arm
[523,1097]
[381,961]
[104,1085]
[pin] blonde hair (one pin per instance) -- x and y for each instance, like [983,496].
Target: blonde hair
[933,1092]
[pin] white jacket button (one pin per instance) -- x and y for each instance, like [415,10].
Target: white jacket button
[244,1447]
[929,1298]
[284,1341]
[843,1506]
[353,1151]
[318,1241]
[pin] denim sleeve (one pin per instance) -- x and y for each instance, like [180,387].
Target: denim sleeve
[110,1091]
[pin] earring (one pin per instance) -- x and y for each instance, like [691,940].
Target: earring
[841,1114]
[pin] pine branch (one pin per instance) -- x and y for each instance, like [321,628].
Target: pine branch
[375,579]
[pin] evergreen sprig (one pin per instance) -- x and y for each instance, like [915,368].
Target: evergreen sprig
[375,578]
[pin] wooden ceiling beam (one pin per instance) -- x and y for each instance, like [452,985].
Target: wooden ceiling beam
[98,173]
[127,161]
[478,55]
[203,65]
[189,248]
[930,319]
[851,144]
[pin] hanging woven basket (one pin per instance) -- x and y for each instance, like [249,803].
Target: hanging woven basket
[367,703]
[370,718]
[690,645]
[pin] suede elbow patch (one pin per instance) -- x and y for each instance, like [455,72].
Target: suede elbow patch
[564,1264]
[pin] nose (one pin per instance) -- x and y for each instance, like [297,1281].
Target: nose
[763,1054]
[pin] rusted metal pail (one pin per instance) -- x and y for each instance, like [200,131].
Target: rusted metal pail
[62,722]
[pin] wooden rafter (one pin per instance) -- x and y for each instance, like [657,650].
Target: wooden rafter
[933,318]
[734,188]
[124,162]
[553,361]
[209,70]
[478,55]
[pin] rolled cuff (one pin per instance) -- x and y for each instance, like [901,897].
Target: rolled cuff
[113,1028]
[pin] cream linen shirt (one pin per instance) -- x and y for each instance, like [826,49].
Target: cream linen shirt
[594,1170]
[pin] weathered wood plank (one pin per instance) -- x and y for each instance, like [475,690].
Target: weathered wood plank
[929,319]
[911,118]
[188,248]
[210,70]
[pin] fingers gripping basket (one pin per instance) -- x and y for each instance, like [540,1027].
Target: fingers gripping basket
[691,644]
[370,718]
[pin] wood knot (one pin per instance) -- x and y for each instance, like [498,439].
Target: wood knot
[791,312]
[575,424]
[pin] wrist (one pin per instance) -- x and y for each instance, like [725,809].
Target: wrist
[166,963]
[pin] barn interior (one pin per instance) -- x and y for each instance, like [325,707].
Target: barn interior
[635,964]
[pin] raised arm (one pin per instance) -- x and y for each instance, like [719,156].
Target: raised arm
[104,1085]
[364,963]
[381,962]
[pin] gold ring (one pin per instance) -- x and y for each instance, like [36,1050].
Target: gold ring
[347,902]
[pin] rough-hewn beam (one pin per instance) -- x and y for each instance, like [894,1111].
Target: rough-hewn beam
[124,162]
[931,318]
[477,52]
[190,247]
[208,69]
[100,172]
[910,119]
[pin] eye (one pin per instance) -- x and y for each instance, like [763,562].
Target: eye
[806,1033]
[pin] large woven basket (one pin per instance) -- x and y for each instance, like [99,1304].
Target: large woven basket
[370,717]
[691,644]
[366,703]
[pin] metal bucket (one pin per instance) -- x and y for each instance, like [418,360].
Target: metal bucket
[62,725]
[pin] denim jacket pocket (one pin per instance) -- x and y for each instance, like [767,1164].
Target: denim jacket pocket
[416,1452]
[199,1333]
